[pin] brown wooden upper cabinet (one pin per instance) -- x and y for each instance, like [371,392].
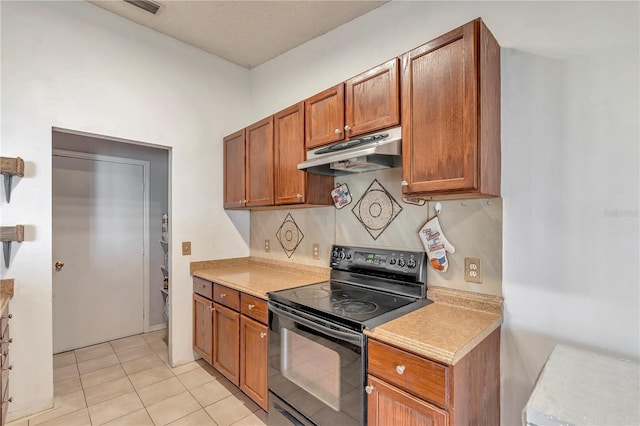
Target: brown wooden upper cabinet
[451,115]
[248,166]
[372,100]
[234,170]
[324,117]
[260,163]
[293,186]
[363,104]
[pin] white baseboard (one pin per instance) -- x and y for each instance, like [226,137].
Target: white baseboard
[156,328]
[36,408]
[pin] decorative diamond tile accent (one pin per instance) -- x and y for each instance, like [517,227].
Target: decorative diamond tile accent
[289,235]
[376,209]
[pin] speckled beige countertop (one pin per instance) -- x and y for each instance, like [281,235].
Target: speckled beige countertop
[6,293]
[445,330]
[258,276]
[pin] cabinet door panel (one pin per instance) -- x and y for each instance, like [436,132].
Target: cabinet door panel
[324,117]
[290,151]
[439,107]
[372,100]
[202,327]
[260,163]
[234,170]
[226,345]
[253,360]
[388,405]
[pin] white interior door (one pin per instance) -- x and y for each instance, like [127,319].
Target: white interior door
[98,232]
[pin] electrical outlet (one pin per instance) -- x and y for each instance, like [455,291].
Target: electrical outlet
[316,251]
[186,248]
[472,270]
[267,246]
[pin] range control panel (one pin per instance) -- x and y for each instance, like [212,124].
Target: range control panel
[398,261]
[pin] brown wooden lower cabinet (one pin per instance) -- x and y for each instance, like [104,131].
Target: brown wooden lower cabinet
[407,389]
[388,405]
[226,343]
[230,333]
[5,365]
[253,360]
[203,327]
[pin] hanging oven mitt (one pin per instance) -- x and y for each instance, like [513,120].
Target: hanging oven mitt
[435,244]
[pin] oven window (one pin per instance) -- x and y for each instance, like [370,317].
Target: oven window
[312,366]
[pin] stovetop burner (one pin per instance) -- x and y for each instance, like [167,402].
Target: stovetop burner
[311,293]
[352,306]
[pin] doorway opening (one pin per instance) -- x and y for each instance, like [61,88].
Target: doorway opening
[110,207]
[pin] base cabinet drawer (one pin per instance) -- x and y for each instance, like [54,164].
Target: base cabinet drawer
[409,372]
[388,405]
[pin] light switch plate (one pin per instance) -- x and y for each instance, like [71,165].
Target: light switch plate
[186,248]
[472,270]
[316,251]
[267,246]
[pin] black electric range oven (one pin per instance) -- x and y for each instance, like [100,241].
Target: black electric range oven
[317,348]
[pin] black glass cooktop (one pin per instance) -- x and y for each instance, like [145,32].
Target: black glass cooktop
[341,300]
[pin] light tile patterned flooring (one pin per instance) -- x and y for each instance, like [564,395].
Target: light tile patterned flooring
[129,382]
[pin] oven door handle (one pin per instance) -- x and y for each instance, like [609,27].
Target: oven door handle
[348,336]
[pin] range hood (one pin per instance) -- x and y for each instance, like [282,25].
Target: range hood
[381,150]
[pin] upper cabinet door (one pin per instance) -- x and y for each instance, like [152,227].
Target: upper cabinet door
[372,100]
[259,148]
[290,183]
[324,117]
[234,164]
[450,116]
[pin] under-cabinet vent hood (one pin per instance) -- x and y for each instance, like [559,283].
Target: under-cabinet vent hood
[375,151]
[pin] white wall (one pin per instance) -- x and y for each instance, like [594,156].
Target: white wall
[569,155]
[74,66]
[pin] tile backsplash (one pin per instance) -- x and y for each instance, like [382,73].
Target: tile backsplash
[474,227]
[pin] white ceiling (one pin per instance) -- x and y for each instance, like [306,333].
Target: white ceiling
[247,33]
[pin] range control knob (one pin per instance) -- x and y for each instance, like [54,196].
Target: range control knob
[411,263]
[342,255]
[334,254]
[392,261]
[348,255]
[401,262]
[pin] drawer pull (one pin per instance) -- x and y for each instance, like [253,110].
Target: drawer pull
[212,309]
[250,306]
[368,389]
[223,295]
[8,341]
[8,400]
[263,335]
[8,368]
[8,316]
[202,286]
[400,369]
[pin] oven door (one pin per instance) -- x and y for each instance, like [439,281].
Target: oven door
[315,367]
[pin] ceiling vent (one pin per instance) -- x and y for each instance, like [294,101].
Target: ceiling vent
[145,5]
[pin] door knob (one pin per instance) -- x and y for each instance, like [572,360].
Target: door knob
[59,265]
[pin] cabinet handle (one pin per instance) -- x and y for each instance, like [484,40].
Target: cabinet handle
[8,368]
[8,316]
[263,335]
[212,309]
[337,131]
[222,295]
[404,183]
[368,389]
[251,306]
[347,128]
[400,369]
[202,286]
[299,196]
[8,341]
[8,400]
